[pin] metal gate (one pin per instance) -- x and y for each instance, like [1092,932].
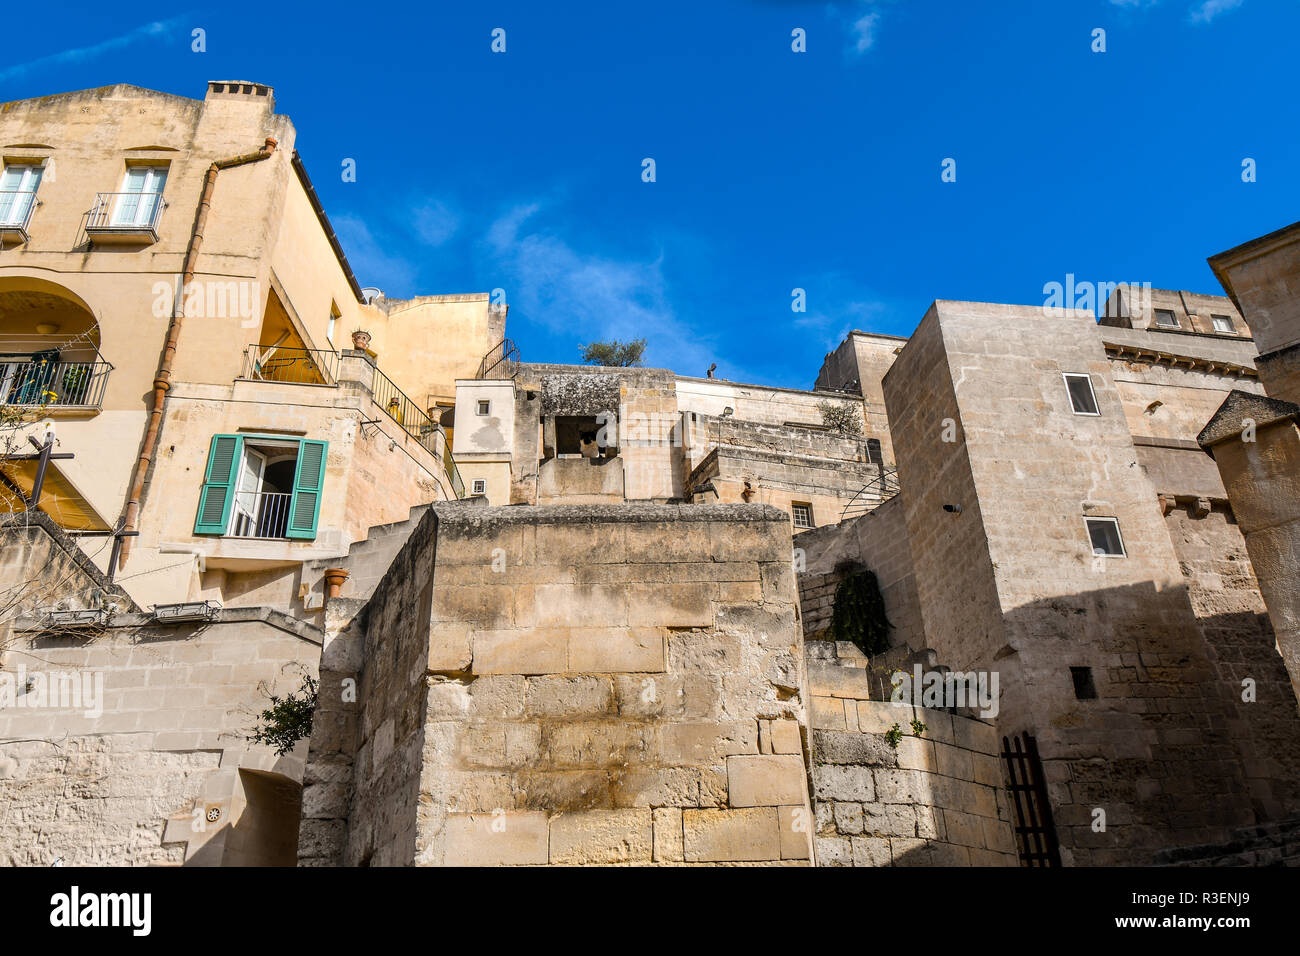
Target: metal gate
[1035,832]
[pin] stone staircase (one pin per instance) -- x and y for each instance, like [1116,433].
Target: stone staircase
[1262,844]
[368,560]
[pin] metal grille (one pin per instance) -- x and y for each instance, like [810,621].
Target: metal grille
[1035,832]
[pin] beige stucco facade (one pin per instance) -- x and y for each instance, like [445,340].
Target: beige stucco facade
[265,346]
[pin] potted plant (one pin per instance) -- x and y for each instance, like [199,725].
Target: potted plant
[361,340]
[75,380]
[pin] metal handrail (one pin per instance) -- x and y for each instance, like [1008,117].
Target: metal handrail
[44,382]
[504,352]
[297,366]
[416,423]
[9,221]
[104,213]
[884,486]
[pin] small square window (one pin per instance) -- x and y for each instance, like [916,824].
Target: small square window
[1105,537]
[1084,688]
[802,515]
[1223,323]
[1166,319]
[1082,398]
[480,486]
[484,407]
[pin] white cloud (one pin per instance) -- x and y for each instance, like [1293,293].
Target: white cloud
[76,55]
[550,282]
[864,32]
[1210,9]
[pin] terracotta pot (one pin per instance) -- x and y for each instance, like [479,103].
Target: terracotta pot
[334,578]
[361,340]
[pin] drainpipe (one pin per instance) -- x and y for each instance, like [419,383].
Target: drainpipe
[162,381]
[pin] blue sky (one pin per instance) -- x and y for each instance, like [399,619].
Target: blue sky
[775,170]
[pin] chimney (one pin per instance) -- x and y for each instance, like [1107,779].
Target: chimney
[241,89]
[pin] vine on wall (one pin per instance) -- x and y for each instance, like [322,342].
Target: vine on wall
[859,615]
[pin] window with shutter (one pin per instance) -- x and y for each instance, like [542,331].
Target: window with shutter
[307,485]
[218,484]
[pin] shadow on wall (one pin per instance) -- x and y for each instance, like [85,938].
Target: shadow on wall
[1140,711]
[265,828]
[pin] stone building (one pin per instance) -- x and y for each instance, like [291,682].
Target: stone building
[574,615]
[199,366]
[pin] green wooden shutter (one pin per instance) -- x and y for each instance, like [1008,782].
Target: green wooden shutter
[219,484]
[307,484]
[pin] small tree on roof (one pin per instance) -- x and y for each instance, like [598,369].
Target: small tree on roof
[614,353]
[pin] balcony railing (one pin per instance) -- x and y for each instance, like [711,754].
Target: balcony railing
[417,424]
[47,382]
[260,514]
[299,366]
[16,206]
[126,216]
[501,361]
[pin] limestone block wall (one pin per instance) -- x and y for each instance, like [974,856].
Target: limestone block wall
[936,800]
[779,478]
[859,364]
[1233,617]
[168,747]
[650,442]
[709,429]
[1262,479]
[577,481]
[877,541]
[1010,582]
[1280,373]
[1161,401]
[758,403]
[559,685]
[954,575]
[41,567]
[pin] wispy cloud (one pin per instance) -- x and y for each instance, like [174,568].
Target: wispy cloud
[864,32]
[567,290]
[434,221]
[1210,9]
[371,263]
[1202,11]
[67,57]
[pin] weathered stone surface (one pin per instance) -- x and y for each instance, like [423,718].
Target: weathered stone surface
[716,836]
[602,836]
[766,781]
[500,839]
